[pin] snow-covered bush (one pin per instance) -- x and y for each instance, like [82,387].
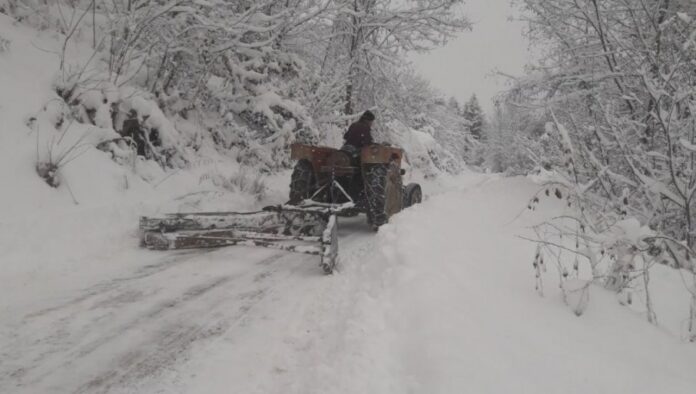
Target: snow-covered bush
[60,140]
[620,131]
[244,79]
[613,251]
[132,113]
[251,184]
[517,141]
[616,92]
[423,152]
[433,133]
[33,12]
[240,181]
[576,294]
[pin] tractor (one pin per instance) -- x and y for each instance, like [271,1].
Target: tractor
[326,183]
[369,178]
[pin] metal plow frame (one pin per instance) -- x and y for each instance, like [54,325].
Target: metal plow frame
[309,228]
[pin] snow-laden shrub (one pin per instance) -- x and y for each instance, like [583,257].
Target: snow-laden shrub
[131,112]
[123,151]
[576,294]
[423,152]
[451,132]
[250,184]
[36,13]
[250,76]
[240,181]
[409,101]
[622,128]
[260,117]
[258,75]
[615,252]
[517,139]
[506,153]
[61,140]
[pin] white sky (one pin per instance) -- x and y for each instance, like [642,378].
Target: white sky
[464,66]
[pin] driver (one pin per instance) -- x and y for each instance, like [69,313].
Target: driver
[358,134]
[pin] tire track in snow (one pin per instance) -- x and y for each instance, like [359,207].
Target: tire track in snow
[171,345]
[104,287]
[167,324]
[24,334]
[134,329]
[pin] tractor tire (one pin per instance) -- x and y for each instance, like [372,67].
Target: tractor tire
[380,188]
[301,182]
[412,195]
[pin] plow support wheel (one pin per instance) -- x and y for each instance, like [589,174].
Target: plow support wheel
[329,244]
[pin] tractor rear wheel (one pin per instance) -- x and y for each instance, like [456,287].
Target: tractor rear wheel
[382,192]
[301,182]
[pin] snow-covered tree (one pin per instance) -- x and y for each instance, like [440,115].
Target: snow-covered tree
[369,37]
[258,75]
[511,138]
[473,113]
[617,87]
[454,105]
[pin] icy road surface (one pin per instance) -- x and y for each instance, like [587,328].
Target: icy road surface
[441,300]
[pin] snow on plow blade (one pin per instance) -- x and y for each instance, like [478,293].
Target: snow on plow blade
[310,229]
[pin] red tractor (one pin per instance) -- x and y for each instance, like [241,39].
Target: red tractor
[369,180]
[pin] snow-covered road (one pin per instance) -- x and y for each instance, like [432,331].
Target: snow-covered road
[441,300]
[137,329]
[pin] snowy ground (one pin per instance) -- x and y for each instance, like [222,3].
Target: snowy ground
[439,301]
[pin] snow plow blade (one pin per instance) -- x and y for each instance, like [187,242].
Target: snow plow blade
[308,228]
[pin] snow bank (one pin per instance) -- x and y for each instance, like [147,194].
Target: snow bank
[446,304]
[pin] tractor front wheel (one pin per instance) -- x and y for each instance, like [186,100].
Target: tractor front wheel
[412,195]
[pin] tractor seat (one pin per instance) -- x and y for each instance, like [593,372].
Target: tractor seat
[338,162]
[353,152]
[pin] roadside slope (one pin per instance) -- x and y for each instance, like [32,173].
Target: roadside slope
[447,305]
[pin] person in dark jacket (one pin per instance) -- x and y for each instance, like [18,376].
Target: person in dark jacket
[359,133]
